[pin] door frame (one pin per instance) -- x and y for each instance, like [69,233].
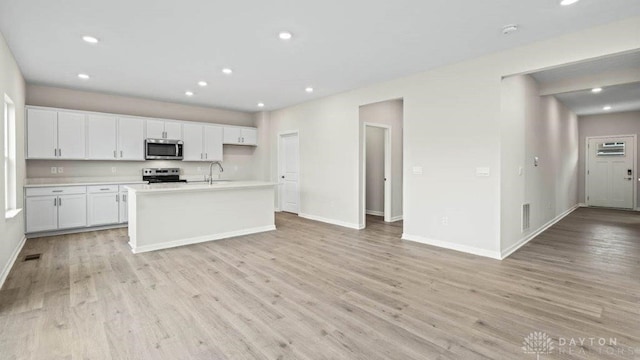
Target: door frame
[634,165]
[388,193]
[281,135]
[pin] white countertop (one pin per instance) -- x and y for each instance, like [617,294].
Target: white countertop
[48,182]
[197,186]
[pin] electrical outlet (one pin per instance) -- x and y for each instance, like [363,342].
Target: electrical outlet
[60,170]
[54,170]
[113,169]
[445,220]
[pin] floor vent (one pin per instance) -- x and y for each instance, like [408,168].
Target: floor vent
[32,257]
[526,217]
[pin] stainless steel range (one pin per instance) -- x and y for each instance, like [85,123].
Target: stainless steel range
[161,175]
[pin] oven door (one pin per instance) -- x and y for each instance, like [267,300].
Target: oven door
[162,149]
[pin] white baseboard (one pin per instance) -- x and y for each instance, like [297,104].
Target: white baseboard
[332,221]
[511,249]
[452,246]
[582,205]
[375,212]
[12,260]
[396,218]
[75,231]
[199,239]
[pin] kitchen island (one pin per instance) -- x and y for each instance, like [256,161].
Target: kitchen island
[174,214]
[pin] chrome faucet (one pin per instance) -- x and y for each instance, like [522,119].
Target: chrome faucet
[210,179]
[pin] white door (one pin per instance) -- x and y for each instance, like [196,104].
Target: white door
[72,211]
[71,135]
[289,173]
[102,137]
[249,136]
[130,138]
[212,143]
[103,208]
[173,130]
[192,149]
[42,213]
[611,172]
[155,129]
[42,133]
[231,135]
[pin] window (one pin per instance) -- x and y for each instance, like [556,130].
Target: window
[10,191]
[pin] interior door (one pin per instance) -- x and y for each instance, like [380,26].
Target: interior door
[611,172]
[289,173]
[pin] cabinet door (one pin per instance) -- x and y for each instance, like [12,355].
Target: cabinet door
[72,211]
[213,143]
[249,136]
[231,135]
[173,130]
[103,208]
[42,213]
[155,129]
[193,149]
[124,207]
[130,138]
[71,135]
[42,134]
[102,136]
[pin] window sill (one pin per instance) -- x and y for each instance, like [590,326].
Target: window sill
[10,214]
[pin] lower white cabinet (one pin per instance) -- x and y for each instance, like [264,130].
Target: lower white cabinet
[46,213]
[103,205]
[124,204]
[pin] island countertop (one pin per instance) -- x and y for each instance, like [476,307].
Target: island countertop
[197,186]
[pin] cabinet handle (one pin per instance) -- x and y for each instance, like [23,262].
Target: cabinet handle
[55,201]
[57,191]
[55,152]
[242,139]
[60,152]
[238,139]
[117,198]
[124,197]
[201,156]
[104,189]
[59,201]
[114,154]
[120,153]
[206,155]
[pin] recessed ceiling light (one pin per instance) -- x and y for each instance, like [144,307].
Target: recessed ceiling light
[606,107]
[568,2]
[202,83]
[227,71]
[596,90]
[285,35]
[309,89]
[90,39]
[84,76]
[260,105]
[188,93]
[508,29]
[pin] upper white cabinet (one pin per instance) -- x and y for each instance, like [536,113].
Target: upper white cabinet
[202,142]
[54,134]
[164,129]
[102,137]
[130,138]
[237,135]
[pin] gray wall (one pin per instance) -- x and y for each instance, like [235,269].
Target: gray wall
[375,170]
[12,84]
[626,123]
[240,162]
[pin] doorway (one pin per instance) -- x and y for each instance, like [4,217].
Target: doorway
[377,169]
[288,170]
[611,171]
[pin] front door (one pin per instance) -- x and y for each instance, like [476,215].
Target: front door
[289,173]
[610,172]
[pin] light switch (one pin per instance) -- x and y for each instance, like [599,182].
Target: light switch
[417,170]
[483,171]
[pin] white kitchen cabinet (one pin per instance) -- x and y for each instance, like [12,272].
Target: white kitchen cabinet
[41,213]
[55,135]
[103,208]
[130,138]
[202,142]
[124,204]
[56,208]
[102,137]
[164,129]
[72,211]
[236,135]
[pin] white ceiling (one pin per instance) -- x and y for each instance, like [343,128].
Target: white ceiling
[158,49]
[621,98]
[589,69]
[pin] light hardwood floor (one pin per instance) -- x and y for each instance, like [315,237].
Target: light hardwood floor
[316,291]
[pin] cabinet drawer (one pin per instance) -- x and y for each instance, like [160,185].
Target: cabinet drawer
[95,189]
[59,190]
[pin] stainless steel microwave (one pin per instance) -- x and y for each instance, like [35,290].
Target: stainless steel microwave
[163,149]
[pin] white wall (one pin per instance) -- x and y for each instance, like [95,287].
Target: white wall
[389,113]
[625,123]
[240,162]
[375,170]
[452,125]
[12,84]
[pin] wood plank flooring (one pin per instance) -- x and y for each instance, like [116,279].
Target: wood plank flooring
[316,291]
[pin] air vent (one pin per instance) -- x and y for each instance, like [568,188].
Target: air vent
[526,217]
[32,257]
